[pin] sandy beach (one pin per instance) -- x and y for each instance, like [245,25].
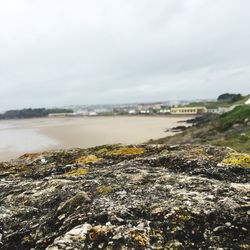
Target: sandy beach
[32,135]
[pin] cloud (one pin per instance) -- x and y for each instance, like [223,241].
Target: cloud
[79,52]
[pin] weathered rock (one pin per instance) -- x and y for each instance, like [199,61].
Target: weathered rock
[143,197]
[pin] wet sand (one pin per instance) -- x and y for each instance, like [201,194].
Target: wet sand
[32,135]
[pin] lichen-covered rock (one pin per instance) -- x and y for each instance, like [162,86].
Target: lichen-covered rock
[237,159]
[126,197]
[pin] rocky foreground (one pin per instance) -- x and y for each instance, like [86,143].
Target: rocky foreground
[134,197]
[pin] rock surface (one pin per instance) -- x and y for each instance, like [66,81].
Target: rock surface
[134,197]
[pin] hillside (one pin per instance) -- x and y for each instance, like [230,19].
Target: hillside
[133,197]
[231,129]
[220,103]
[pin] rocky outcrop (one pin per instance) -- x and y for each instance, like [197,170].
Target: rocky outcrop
[134,197]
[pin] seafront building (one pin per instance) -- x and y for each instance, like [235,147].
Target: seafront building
[188,110]
[60,115]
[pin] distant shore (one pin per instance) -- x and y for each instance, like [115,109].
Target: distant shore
[20,136]
[185,116]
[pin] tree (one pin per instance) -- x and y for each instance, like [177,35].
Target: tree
[229,97]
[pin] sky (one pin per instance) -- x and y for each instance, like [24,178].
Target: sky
[67,52]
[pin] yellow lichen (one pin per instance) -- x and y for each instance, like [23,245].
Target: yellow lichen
[13,169]
[244,246]
[197,151]
[126,151]
[96,232]
[80,171]
[26,238]
[23,168]
[182,216]
[178,219]
[104,189]
[173,245]
[88,159]
[139,238]
[155,233]
[102,151]
[237,159]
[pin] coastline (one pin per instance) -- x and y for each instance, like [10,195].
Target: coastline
[41,134]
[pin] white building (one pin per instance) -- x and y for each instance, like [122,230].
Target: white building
[92,113]
[248,101]
[132,112]
[60,114]
[188,110]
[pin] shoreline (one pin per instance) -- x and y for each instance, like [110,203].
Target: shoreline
[41,134]
[105,116]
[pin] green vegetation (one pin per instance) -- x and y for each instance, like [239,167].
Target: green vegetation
[228,119]
[230,97]
[31,113]
[236,140]
[224,100]
[231,129]
[210,104]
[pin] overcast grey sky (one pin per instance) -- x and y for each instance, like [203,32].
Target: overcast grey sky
[61,52]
